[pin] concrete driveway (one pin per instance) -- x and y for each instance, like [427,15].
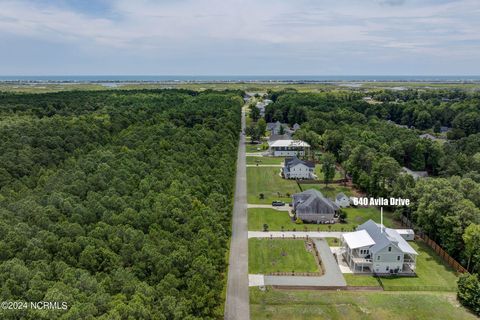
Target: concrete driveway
[269,206]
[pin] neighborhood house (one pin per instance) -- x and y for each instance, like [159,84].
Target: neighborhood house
[415,174]
[275,127]
[294,168]
[376,249]
[312,206]
[288,148]
[342,200]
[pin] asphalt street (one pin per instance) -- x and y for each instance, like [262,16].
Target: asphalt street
[237,305]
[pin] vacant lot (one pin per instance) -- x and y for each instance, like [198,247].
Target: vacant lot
[268,181]
[265,160]
[300,305]
[277,255]
[278,219]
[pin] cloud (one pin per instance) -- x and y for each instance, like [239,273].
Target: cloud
[392,2]
[243,32]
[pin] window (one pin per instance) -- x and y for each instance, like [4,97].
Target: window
[389,249]
[378,257]
[398,258]
[387,268]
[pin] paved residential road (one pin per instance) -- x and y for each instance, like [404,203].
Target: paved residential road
[237,305]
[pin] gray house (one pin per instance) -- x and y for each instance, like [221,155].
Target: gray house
[312,206]
[274,127]
[376,249]
[294,168]
[275,137]
[342,200]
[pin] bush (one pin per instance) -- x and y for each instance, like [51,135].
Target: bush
[265,227]
[342,216]
[298,221]
[469,292]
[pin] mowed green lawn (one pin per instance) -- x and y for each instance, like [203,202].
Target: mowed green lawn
[347,305]
[432,273]
[268,181]
[278,219]
[319,173]
[361,280]
[265,160]
[278,255]
[254,147]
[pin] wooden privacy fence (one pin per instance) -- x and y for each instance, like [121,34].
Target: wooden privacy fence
[435,247]
[442,253]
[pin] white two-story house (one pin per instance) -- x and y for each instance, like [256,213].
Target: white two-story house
[288,148]
[376,249]
[294,168]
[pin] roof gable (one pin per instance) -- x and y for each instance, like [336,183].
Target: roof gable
[385,237]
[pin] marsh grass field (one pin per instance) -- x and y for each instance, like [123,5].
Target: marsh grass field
[348,305]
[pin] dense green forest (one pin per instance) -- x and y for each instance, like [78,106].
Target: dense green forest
[117,202]
[374,134]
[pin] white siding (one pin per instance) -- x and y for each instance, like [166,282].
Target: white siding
[344,202]
[385,260]
[288,153]
[300,171]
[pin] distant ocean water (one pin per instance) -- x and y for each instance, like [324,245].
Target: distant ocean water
[234,78]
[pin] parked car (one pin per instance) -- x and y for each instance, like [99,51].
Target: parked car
[278,203]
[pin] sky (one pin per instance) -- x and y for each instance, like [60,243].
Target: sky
[240,37]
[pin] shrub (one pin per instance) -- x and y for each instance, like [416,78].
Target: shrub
[298,221]
[469,292]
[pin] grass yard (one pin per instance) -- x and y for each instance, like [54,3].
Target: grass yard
[432,273]
[254,147]
[278,219]
[268,181]
[265,256]
[357,216]
[319,173]
[361,280]
[333,242]
[346,305]
[265,160]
